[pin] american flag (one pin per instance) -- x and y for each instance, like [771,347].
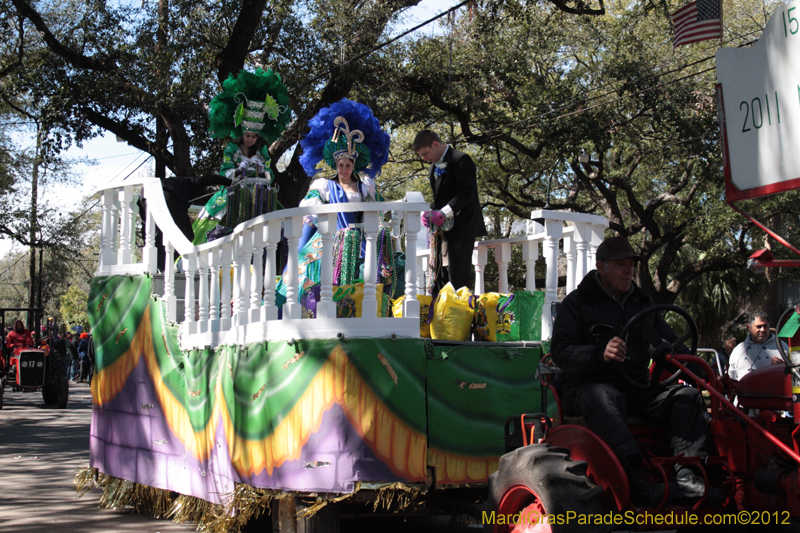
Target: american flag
[698,21]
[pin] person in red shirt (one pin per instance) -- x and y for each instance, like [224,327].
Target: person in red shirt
[19,337]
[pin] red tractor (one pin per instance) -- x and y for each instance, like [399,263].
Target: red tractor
[559,469]
[33,368]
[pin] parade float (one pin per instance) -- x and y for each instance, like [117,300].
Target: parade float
[212,405]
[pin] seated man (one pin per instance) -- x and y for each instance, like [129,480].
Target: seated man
[585,346]
[19,337]
[758,350]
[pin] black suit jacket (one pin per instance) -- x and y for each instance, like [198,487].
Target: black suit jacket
[458,188]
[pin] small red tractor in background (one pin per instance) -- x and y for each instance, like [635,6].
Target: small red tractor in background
[559,469]
[29,369]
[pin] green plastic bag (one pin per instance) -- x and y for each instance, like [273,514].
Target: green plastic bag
[519,316]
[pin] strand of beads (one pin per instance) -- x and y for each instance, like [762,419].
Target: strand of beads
[350,255]
[338,252]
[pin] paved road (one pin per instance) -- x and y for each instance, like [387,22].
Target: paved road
[41,448]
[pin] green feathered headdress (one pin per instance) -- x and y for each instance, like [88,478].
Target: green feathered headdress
[251,101]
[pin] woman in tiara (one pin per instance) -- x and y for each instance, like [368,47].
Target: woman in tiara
[349,139]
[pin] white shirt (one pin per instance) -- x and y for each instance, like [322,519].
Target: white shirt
[749,355]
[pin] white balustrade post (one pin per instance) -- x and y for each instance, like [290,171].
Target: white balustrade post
[553,232]
[134,214]
[569,253]
[115,225]
[241,275]
[213,315]
[369,306]
[598,231]
[326,226]
[257,279]
[149,253]
[170,299]
[530,253]
[412,224]
[422,272]
[189,269]
[125,199]
[225,292]
[202,269]
[293,230]
[583,237]
[480,257]
[502,256]
[272,236]
[107,228]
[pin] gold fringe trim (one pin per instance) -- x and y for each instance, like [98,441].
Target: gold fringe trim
[199,512]
[245,503]
[124,494]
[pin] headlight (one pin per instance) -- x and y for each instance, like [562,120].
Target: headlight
[24,364]
[39,364]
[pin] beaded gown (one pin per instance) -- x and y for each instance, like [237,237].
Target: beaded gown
[217,206]
[347,268]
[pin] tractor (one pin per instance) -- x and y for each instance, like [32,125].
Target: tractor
[558,475]
[30,369]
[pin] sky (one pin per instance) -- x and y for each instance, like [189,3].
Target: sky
[117,159]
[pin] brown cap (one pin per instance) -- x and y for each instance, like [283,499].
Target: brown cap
[615,248]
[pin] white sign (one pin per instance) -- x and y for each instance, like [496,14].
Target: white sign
[760,109]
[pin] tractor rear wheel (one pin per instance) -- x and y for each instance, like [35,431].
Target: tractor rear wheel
[541,480]
[50,393]
[63,393]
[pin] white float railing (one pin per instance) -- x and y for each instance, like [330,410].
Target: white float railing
[234,300]
[242,309]
[577,234]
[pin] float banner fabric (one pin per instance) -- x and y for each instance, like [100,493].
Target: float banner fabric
[314,416]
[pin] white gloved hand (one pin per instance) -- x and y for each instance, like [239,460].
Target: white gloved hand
[259,167]
[244,166]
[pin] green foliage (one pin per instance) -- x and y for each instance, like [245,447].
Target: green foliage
[73,308]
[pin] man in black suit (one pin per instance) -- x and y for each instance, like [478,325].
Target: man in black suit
[455,200]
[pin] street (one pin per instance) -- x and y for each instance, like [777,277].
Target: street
[41,448]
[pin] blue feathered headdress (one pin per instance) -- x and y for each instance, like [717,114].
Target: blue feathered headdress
[335,133]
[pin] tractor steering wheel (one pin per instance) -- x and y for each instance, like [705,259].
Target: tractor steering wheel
[660,347]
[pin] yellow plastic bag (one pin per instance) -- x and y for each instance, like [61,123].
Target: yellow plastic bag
[424,309]
[349,298]
[451,318]
[484,307]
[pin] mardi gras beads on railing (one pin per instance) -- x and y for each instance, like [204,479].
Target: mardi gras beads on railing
[387,273]
[248,199]
[346,254]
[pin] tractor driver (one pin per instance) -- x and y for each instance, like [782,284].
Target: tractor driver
[19,336]
[586,347]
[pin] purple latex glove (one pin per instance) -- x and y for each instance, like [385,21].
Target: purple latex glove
[437,217]
[426,219]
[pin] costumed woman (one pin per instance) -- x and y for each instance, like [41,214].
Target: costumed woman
[348,137]
[252,109]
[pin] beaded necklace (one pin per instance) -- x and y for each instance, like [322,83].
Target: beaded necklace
[347,250]
[387,273]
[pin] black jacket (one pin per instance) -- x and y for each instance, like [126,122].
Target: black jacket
[458,188]
[589,317]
